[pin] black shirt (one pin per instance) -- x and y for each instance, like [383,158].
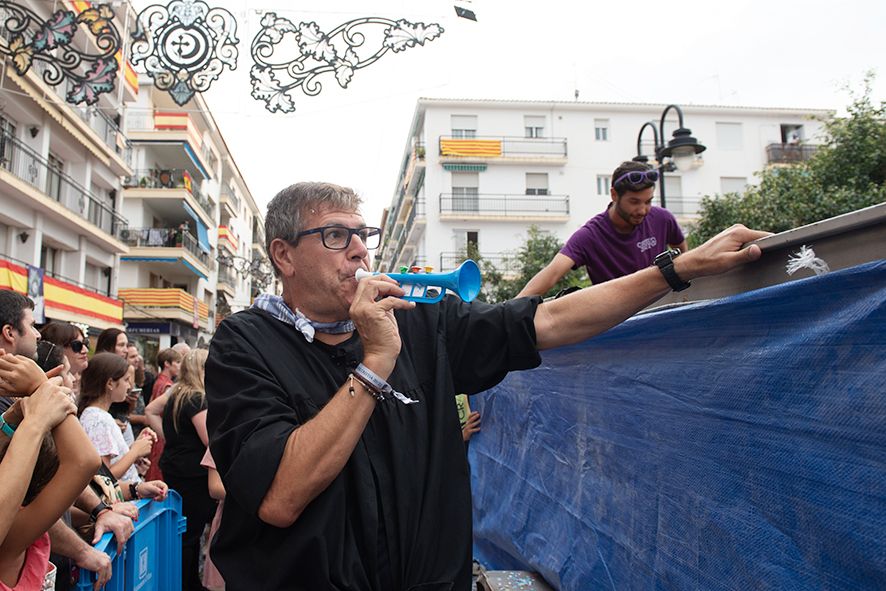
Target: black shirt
[403,498]
[184,449]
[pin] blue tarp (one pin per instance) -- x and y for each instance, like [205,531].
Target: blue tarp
[735,444]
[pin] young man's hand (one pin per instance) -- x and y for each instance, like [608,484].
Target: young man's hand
[20,376]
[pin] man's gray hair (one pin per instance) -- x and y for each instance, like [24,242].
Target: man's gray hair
[288,209]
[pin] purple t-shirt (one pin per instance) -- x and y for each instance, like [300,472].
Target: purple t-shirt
[607,253]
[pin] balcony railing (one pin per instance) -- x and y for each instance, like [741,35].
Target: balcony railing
[170,178]
[226,193]
[480,204]
[789,153]
[505,262]
[26,164]
[508,147]
[50,273]
[166,238]
[227,274]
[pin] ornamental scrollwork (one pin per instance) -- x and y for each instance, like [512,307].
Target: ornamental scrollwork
[185,46]
[52,45]
[337,52]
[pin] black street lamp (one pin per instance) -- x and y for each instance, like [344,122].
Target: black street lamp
[679,152]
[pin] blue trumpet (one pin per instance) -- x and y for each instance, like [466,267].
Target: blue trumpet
[429,288]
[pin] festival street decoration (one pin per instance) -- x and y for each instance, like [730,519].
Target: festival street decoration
[50,47]
[185,46]
[338,52]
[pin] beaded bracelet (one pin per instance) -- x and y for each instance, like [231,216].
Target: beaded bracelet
[372,392]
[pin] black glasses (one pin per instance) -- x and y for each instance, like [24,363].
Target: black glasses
[635,177]
[77,346]
[339,237]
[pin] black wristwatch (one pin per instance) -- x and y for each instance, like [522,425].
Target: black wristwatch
[665,263]
[98,510]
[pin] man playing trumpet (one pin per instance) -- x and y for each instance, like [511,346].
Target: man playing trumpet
[331,412]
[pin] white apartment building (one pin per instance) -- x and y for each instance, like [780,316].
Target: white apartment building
[483,171]
[193,224]
[60,192]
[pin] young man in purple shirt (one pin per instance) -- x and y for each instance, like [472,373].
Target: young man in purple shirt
[623,239]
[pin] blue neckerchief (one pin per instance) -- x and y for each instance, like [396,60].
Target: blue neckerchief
[276,307]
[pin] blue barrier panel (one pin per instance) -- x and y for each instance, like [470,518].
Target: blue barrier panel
[152,558]
[735,444]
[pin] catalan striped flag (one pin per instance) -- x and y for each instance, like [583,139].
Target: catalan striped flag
[470,147]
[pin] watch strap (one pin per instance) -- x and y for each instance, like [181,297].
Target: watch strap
[6,428]
[665,263]
[98,510]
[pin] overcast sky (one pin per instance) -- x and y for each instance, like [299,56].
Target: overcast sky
[769,53]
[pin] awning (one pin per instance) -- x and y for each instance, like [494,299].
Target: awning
[464,167]
[202,231]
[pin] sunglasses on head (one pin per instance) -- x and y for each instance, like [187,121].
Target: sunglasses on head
[636,177]
[78,346]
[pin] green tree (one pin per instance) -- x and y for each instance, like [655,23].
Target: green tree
[846,173]
[531,257]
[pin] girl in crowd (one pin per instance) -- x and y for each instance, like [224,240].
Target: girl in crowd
[184,426]
[106,381]
[74,345]
[112,340]
[43,474]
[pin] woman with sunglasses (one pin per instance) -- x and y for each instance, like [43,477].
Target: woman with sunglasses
[624,239]
[73,344]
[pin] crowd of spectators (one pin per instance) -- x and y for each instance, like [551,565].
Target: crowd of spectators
[76,448]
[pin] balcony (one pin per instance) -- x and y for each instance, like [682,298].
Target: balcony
[165,187]
[65,298]
[25,175]
[789,153]
[230,202]
[174,139]
[258,237]
[503,149]
[502,206]
[110,140]
[228,239]
[400,249]
[168,245]
[505,262]
[168,304]
[227,280]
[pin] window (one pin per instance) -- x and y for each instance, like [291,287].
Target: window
[54,177]
[49,259]
[465,191]
[466,240]
[791,134]
[729,136]
[601,130]
[7,133]
[733,184]
[464,126]
[534,125]
[604,183]
[536,183]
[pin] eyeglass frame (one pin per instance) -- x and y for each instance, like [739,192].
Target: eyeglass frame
[351,233]
[645,177]
[48,353]
[83,343]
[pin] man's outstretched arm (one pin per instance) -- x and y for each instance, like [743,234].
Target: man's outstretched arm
[590,311]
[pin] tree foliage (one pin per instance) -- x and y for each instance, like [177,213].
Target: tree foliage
[531,257]
[846,173]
